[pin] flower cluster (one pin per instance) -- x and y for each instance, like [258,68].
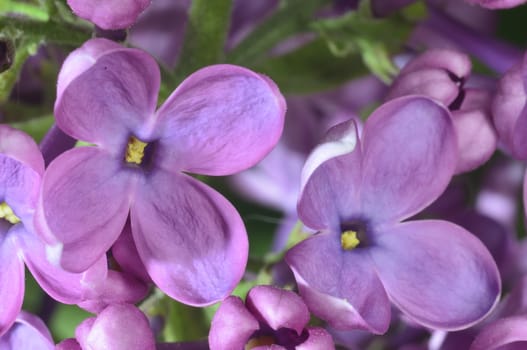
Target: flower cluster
[238,175]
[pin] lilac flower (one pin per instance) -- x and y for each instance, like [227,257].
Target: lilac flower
[119,326]
[20,179]
[220,120]
[444,75]
[355,193]
[109,14]
[270,316]
[28,332]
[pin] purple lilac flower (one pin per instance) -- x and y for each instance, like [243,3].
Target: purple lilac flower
[20,179]
[220,120]
[109,14]
[270,317]
[443,75]
[355,193]
[27,333]
[119,326]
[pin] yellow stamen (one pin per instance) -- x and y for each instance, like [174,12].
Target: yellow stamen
[7,213]
[253,343]
[349,240]
[135,151]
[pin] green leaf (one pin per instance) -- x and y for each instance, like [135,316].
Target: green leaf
[36,128]
[205,35]
[311,68]
[292,17]
[374,39]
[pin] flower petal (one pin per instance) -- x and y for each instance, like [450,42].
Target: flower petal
[191,239]
[220,120]
[232,325]
[502,332]
[126,255]
[409,155]
[11,280]
[28,332]
[84,203]
[331,178]
[21,147]
[339,286]
[119,326]
[318,339]
[278,308]
[437,273]
[109,14]
[113,97]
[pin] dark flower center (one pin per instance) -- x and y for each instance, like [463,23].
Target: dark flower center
[353,234]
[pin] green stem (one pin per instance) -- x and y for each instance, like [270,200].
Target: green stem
[206,31]
[293,16]
[30,11]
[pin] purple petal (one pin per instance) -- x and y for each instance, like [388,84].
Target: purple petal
[318,339]
[232,325]
[109,14]
[190,238]
[507,105]
[11,280]
[125,253]
[409,157]
[113,97]
[28,332]
[437,273]
[21,147]
[119,326]
[84,204]
[500,333]
[66,287]
[278,308]
[339,286]
[68,344]
[331,179]
[476,137]
[220,120]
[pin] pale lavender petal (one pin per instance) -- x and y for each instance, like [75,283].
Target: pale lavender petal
[339,286]
[278,308]
[245,107]
[84,204]
[437,273]
[318,339]
[119,326]
[409,156]
[503,332]
[112,98]
[109,14]
[232,325]
[191,239]
[28,333]
[331,179]
[476,136]
[11,280]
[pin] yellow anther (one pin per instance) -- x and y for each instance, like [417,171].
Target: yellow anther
[135,151]
[7,213]
[255,342]
[349,240]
